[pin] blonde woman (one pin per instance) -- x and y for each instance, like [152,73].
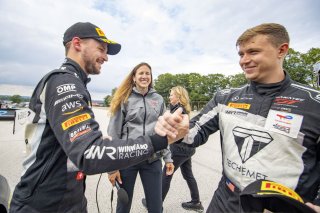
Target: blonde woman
[135,108]
[182,153]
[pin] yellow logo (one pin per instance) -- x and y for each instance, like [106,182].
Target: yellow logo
[277,187]
[239,105]
[70,113]
[100,32]
[75,120]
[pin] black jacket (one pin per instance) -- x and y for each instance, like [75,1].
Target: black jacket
[178,148]
[66,144]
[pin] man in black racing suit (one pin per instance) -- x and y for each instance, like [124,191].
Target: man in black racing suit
[66,143]
[269,129]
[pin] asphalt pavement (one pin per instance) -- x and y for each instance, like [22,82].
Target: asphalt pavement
[206,167]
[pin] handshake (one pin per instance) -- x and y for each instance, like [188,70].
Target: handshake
[175,126]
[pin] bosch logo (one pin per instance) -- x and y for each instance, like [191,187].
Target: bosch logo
[64,88]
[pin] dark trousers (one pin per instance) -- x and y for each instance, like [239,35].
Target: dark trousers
[186,170]
[151,180]
[224,200]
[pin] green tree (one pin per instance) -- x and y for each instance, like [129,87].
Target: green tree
[16,99]
[213,83]
[163,84]
[237,80]
[300,65]
[107,99]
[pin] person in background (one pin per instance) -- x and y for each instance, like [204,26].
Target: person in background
[269,128]
[181,154]
[135,108]
[65,140]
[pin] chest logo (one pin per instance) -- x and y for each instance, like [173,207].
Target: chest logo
[239,105]
[250,141]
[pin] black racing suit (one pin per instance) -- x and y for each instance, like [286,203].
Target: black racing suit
[66,144]
[267,132]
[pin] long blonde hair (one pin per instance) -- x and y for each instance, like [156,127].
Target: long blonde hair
[183,96]
[123,92]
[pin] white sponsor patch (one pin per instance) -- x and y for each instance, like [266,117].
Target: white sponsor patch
[285,123]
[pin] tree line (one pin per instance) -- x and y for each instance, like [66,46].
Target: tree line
[202,88]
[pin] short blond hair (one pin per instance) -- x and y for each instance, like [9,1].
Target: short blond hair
[276,33]
[183,96]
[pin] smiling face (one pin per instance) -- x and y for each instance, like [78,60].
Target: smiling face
[142,78]
[261,60]
[94,55]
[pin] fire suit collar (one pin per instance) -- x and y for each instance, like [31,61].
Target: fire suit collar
[271,89]
[75,67]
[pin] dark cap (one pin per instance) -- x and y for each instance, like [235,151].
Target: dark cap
[88,30]
[268,195]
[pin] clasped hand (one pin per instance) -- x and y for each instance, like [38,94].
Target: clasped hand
[175,126]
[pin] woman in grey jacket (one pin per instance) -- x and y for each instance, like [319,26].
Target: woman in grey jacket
[135,108]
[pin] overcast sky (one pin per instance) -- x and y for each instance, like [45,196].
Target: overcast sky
[173,36]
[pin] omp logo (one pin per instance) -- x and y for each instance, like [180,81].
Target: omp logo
[71,105]
[75,120]
[269,186]
[250,141]
[98,152]
[64,88]
[239,105]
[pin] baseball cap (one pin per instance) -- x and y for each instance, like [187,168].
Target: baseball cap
[89,30]
[268,195]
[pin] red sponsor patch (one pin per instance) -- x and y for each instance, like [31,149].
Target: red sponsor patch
[80,176]
[287,100]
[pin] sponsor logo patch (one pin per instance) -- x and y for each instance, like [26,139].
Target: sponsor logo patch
[250,141]
[67,97]
[278,188]
[122,152]
[71,105]
[74,111]
[65,88]
[82,130]
[283,100]
[75,120]
[239,105]
[80,176]
[234,112]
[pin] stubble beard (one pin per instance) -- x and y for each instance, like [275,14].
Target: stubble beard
[90,64]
